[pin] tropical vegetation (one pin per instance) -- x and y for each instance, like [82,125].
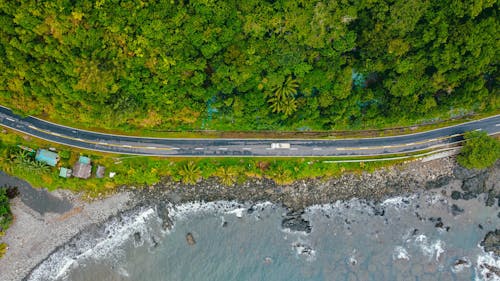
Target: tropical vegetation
[249,65]
[479,151]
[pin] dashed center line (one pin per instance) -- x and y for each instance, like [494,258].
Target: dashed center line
[247,148]
[10,119]
[125,145]
[317,148]
[222,148]
[199,148]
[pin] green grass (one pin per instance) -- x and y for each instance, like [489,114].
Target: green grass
[144,170]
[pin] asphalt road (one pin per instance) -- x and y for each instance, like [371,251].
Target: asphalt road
[242,147]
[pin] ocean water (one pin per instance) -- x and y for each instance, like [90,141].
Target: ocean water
[403,238]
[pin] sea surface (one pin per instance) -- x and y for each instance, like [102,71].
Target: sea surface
[421,237]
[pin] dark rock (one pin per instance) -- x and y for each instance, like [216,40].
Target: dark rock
[224,224]
[251,210]
[498,215]
[480,226]
[295,222]
[378,211]
[438,183]
[439,224]
[463,173]
[491,242]
[475,184]
[490,200]
[415,232]
[461,262]
[137,237]
[455,210]
[455,195]
[190,239]
[469,195]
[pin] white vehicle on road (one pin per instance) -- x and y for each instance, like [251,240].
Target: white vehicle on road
[280,145]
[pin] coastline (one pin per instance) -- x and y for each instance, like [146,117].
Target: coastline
[43,234]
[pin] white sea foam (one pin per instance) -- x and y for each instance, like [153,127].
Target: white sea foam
[462,265]
[400,253]
[435,248]
[483,273]
[115,233]
[302,249]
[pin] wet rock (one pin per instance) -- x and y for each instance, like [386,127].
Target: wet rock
[224,224]
[294,221]
[455,195]
[190,239]
[137,237]
[438,183]
[469,195]
[439,225]
[463,173]
[475,184]
[491,242]
[455,210]
[378,211]
[480,226]
[490,200]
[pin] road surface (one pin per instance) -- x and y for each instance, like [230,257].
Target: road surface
[242,147]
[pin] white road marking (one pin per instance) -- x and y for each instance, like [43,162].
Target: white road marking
[317,148]
[150,147]
[269,148]
[222,148]
[103,143]
[78,139]
[125,145]
[386,146]
[364,147]
[10,119]
[497,125]
[411,143]
[294,148]
[56,134]
[247,148]
[175,148]
[32,127]
[340,148]
[199,148]
[478,129]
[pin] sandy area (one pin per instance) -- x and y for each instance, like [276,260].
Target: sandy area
[32,236]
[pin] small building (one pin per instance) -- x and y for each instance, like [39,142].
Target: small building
[48,157]
[99,173]
[65,172]
[82,169]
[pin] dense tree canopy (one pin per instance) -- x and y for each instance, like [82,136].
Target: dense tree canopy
[254,64]
[479,151]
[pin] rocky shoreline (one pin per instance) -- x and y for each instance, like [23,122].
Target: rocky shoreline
[405,179]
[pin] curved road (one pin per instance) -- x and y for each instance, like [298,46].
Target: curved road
[241,147]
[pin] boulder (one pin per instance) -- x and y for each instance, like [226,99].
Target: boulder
[491,242]
[190,239]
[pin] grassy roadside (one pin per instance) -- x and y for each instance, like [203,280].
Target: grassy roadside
[144,170]
[367,130]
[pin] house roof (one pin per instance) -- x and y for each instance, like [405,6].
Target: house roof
[81,170]
[65,172]
[46,156]
[84,160]
[100,171]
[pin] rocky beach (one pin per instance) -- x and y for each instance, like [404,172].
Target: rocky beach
[35,234]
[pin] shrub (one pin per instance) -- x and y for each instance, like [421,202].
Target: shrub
[479,151]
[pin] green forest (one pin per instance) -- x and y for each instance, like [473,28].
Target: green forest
[249,65]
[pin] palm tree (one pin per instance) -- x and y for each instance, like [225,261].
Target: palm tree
[190,173]
[227,175]
[282,176]
[287,89]
[39,166]
[287,106]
